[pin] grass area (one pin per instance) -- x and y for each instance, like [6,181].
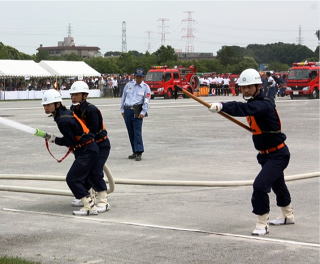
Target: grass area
[15,260]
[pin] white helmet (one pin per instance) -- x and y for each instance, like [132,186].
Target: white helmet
[248,77]
[51,96]
[79,87]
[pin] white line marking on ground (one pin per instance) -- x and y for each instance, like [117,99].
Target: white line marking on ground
[99,220]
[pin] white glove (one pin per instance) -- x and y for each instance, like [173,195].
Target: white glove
[215,107]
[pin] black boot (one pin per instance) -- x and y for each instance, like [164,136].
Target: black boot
[132,156]
[138,157]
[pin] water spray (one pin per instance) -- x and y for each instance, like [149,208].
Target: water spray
[34,131]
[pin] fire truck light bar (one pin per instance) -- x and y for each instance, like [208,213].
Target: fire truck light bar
[159,67]
[305,63]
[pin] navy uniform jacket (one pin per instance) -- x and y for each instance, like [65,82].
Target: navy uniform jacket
[71,129]
[92,118]
[262,116]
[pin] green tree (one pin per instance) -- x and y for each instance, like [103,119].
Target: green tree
[316,56]
[245,63]
[165,54]
[41,55]
[278,66]
[279,52]
[230,55]
[70,57]
[8,52]
[112,53]
[135,53]
[204,65]
[104,65]
[127,63]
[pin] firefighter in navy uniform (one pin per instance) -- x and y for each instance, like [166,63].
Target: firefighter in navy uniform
[273,153]
[77,137]
[92,117]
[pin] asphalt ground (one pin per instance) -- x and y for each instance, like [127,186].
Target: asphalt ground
[161,224]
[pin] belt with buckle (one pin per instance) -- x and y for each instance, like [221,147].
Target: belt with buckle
[128,107]
[101,139]
[78,146]
[267,151]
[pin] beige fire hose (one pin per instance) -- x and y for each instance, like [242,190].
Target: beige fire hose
[110,180]
[107,172]
[131,182]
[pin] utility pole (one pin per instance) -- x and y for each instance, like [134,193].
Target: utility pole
[189,34]
[124,37]
[163,30]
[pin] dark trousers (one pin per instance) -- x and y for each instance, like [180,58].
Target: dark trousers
[219,90]
[226,90]
[116,91]
[80,171]
[96,180]
[272,92]
[270,177]
[134,128]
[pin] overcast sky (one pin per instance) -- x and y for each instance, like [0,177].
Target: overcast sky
[27,24]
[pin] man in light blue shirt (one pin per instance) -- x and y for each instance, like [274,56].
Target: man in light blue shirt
[134,107]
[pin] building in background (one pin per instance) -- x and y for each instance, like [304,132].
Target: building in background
[194,55]
[67,47]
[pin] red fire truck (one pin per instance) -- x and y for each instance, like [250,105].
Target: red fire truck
[303,80]
[162,80]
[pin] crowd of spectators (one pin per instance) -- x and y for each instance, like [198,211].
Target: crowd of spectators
[273,84]
[220,84]
[110,85]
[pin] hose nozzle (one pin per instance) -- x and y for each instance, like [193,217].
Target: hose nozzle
[41,133]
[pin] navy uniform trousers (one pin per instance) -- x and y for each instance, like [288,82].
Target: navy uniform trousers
[134,127]
[96,177]
[270,177]
[80,171]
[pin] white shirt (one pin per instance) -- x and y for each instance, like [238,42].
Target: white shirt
[134,93]
[272,81]
[226,81]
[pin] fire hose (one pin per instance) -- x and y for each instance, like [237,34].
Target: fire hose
[45,135]
[108,174]
[132,182]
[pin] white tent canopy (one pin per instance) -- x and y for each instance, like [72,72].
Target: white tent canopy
[22,68]
[69,68]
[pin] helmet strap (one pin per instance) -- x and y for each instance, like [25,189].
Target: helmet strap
[84,97]
[56,107]
[253,96]
[247,98]
[257,90]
